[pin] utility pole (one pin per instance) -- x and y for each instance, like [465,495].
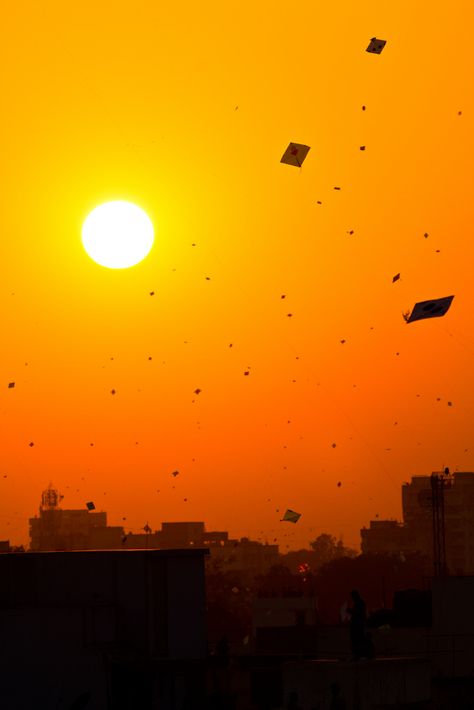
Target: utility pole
[439,481]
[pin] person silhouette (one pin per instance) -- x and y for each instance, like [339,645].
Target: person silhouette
[357,626]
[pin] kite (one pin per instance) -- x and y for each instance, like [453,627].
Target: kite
[90,505]
[295,154]
[291,517]
[430,309]
[376,45]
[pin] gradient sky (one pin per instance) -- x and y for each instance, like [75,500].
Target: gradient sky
[186,110]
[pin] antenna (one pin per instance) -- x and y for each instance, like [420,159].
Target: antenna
[50,498]
[439,481]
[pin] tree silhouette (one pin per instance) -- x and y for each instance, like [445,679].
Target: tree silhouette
[327,548]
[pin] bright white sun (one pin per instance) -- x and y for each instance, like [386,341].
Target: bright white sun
[117,234]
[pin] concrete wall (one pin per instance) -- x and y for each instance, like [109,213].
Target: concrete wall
[363,685]
[452,638]
[98,622]
[283,611]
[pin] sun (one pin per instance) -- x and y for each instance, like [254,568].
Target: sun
[117,234]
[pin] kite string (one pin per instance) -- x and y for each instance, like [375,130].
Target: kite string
[361,437]
[349,419]
[456,340]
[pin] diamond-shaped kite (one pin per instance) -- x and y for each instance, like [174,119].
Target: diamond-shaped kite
[90,505]
[291,516]
[295,154]
[376,45]
[435,308]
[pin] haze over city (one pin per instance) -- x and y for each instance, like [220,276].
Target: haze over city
[260,349]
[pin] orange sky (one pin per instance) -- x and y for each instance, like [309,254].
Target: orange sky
[186,110]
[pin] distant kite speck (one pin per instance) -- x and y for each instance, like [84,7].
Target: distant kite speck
[11,385]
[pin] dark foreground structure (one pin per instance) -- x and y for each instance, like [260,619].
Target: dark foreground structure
[125,630]
[101,630]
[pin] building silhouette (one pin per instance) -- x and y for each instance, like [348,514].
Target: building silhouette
[458,515]
[415,533]
[386,537]
[57,529]
[120,629]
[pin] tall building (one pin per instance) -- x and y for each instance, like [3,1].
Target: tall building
[416,532]
[458,516]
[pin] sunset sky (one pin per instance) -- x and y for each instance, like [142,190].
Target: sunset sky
[186,111]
